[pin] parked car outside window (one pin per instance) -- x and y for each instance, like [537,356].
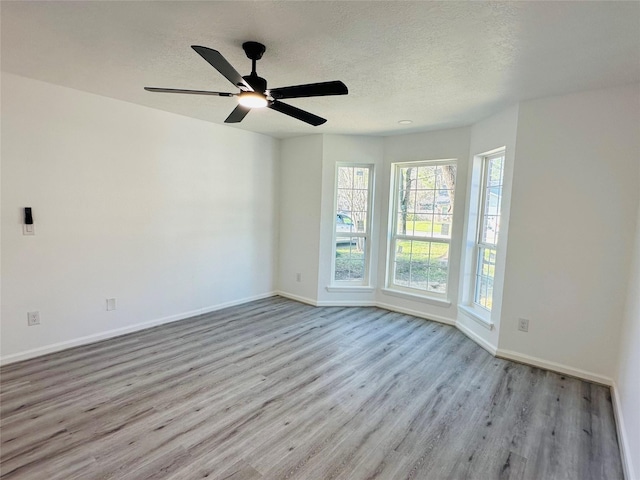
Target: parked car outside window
[344,224]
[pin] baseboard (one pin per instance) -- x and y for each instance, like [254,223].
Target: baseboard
[346,303]
[477,338]
[554,367]
[297,298]
[234,303]
[625,449]
[415,313]
[367,303]
[76,342]
[326,303]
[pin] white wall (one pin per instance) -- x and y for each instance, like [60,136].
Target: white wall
[349,149]
[300,197]
[494,132]
[168,214]
[628,375]
[443,144]
[573,210]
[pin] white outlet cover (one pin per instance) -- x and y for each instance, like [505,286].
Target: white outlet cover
[523,324]
[111,304]
[28,229]
[33,318]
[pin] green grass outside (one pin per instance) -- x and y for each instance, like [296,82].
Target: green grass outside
[349,262]
[422,226]
[420,266]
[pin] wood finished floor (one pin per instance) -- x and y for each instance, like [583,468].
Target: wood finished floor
[275,389]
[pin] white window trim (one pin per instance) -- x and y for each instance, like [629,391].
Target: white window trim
[471,313]
[440,302]
[353,285]
[471,309]
[349,288]
[440,299]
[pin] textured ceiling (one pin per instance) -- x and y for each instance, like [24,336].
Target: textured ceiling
[440,64]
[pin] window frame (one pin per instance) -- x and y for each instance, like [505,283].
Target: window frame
[393,236]
[480,215]
[366,235]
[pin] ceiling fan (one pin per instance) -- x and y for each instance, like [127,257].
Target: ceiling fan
[253,89]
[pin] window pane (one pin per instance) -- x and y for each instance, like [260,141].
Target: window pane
[493,200]
[485,273]
[438,267]
[344,227]
[345,177]
[361,178]
[402,263]
[490,229]
[421,265]
[495,171]
[422,225]
[406,188]
[438,279]
[350,259]
[408,223]
[442,226]
[426,177]
[359,221]
[344,200]
[426,200]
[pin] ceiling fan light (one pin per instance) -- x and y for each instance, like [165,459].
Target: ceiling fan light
[252,100]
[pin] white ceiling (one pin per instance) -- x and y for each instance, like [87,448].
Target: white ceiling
[440,64]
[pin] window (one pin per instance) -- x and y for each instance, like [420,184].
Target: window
[488,229]
[421,227]
[352,224]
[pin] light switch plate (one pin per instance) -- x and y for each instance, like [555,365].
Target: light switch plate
[111,304]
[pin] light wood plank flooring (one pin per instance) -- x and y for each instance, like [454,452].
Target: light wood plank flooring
[275,389]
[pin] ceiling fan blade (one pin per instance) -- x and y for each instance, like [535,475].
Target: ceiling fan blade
[218,62]
[192,92]
[237,115]
[294,112]
[310,90]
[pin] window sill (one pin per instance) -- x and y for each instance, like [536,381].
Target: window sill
[471,313]
[418,298]
[349,289]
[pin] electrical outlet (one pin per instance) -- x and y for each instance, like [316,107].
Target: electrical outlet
[28,229]
[523,324]
[298,277]
[33,318]
[111,304]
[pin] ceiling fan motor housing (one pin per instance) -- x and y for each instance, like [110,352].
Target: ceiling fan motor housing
[258,84]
